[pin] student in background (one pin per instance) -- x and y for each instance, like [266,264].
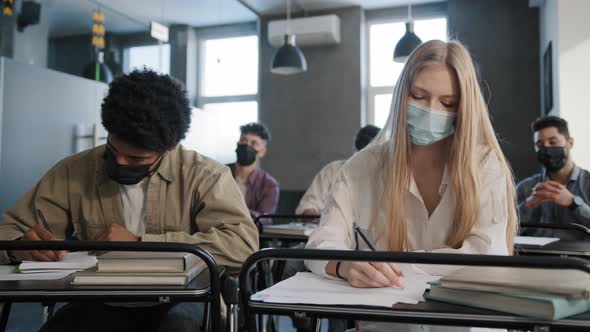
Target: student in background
[258,187]
[560,193]
[313,201]
[434,179]
[141,186]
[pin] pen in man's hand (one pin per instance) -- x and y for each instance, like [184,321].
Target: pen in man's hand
[43,221]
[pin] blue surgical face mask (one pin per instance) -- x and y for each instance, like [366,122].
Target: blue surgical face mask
[428,126]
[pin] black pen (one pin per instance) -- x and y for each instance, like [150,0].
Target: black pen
[43,221]
[358,231]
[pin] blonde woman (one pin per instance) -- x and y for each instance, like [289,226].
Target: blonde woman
[434,180]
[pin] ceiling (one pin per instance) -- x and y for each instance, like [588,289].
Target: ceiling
[273,7]
[71,17]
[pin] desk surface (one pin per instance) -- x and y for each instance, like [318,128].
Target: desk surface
[428,312]
[62,290]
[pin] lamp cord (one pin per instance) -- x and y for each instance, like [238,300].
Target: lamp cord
[289,17]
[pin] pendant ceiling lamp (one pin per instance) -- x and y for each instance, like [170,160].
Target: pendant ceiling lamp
[288,59]
[408,43]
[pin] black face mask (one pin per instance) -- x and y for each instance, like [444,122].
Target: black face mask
[246,154]
[125,174]
[552,157]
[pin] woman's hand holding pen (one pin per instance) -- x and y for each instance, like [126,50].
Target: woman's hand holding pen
[374,274]
[368,275]
[38,233]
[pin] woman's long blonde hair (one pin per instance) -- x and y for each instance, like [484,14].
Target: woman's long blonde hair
[473,132]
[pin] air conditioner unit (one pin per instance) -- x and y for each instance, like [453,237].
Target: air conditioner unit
[309,31]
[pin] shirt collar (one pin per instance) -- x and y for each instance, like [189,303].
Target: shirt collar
[575,174]
[441,189]
[252,178]
[573,177]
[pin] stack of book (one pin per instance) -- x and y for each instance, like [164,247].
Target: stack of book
[538,293]
[142,268]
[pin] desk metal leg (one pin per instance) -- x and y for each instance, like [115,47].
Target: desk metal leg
[232,319]
[48,309]
[206,323]
[5,313]
[318,325]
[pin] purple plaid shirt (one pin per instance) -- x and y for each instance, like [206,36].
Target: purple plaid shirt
[262,196]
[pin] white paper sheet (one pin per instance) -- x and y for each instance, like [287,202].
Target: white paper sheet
[533,240]
[308,288]
[8,272]
[72,261]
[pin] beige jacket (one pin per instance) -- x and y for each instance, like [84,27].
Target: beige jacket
[190,199]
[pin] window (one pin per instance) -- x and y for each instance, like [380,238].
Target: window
[155,57]
[227,95]
[383,71]
[215,129]
[230,67]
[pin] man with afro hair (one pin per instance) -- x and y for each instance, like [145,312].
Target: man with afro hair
[140,186]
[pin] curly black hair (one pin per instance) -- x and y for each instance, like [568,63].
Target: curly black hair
[147,110]
[257,129]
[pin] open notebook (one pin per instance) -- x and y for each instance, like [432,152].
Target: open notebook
[75,261]
[31,270]
[308,288]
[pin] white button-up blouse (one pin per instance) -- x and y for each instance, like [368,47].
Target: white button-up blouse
[351,200]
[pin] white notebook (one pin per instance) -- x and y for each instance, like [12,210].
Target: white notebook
[9,272]
[76,261]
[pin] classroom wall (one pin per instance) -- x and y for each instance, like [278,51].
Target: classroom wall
[564,23]
[39,110]
[503,38]
[313,116]
[184,57]
[29,45]
[574,70]
[549,32]
[78,51]
[71,54]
